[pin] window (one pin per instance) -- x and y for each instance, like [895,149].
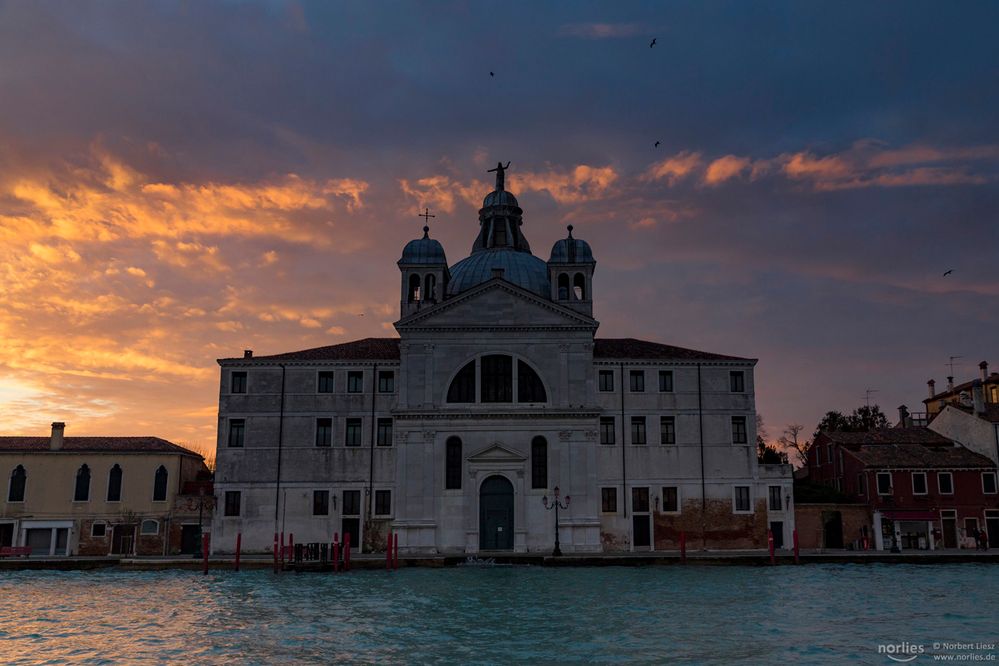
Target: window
[529,386]
[414,289]
[563,287]
[18,479]
[636,379]
[994,392]
[430,288]
[945,480]
[233,499]
[579,287]
[989,483]
[352,502]
[462,387]
[739,430]
[383,502]
[452,464]
[324,432]
[497,378]
[98,529]
[737,381]
[919,483]
[114,484]
[149,527]
[353,433]
[605,380]
[355,381]
[665,381]
[236,429]
[608,500]
[325,384]
[667,430]
[607,430]
[539,463]
[239,382]
[384,436]
[829,453]
[861,484]
[776,502]
[639,500]
[499,233]
[82,491]
[884,483]
[638,430]
[160,484]
[742,504]
[386,381]
[320,502]
[671,499]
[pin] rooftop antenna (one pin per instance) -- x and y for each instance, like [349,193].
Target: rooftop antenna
[867,396]
[951,364]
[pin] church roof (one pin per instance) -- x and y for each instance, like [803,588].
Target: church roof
[630,348]
[424,250]
[96,445]
[571,251]
[520,268]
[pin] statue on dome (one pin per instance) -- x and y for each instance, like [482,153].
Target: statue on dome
[500,174]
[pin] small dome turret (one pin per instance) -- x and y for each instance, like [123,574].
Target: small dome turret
[424,250]
[571,251]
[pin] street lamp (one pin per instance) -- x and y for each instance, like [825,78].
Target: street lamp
[556,504]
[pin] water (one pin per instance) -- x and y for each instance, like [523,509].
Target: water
[692,614]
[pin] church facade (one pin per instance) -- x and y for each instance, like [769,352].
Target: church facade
[497,392]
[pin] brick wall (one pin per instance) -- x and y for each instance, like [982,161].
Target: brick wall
[808,519]
[722,529]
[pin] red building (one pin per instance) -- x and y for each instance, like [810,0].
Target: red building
[923,490]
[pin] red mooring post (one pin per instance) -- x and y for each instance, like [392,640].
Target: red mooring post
[239,543]
[346,551]
[794,539]
[388,553]
[204,553]
[395,551]
[291,547]
[770,544]
[275,552]
[281,552]
[336,552]
[683,547]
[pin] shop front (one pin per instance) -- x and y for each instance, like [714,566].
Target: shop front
[901,529]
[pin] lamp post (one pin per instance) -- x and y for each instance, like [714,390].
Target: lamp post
[202,502]
[556,504]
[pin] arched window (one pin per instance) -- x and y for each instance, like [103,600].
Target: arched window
[18,479]
[499,232]
[149,527]
[462,387]
[452,464]
[579,287]
[414,289]
[430,288]
[82,491]
[160,484]
[539,462]
[114,484]
[563,287]
[529,386]
[497,378]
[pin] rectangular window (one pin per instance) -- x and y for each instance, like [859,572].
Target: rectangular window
[539,463]
[608,500]
[667,430]
[665,381]
[352,502]
[919,483]
[325,381]
[355,381]
[237,427]
[239,382]
[384,436]
[324,432]
[606,380]
[452,464]
[383,502]
[737,381]
[320,502]
[386,381]
[861,484]
[829,453]
[945,480]
[638,430]
[742,504]
[607,430]
[989,483]
[233,500]
[353,437]
[98,529]
[671,499]
[640,500]
[637,380]
[739,430]
[776,501]
[884,483]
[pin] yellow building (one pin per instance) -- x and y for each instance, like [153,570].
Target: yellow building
[101,495]
[985,389]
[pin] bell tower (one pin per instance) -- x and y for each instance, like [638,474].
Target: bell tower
[570,270]
[424,273]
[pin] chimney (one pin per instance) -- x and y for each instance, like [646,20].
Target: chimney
[58,429]
[978,397]
[984,366]
[904,420]
[247,353]
[950,383]
[498,272]
[932,385]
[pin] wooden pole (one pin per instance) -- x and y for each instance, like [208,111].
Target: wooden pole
[683,547]
[395,551]
[336,552]
[204,554]
[770,544]
[388,553]
[239,543]
[794,536]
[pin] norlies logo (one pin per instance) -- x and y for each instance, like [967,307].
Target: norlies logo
[902,652]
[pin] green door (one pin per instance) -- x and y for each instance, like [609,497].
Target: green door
[496,514]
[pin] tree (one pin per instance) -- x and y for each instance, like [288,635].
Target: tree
[765,453]
[868,418]
[791,441]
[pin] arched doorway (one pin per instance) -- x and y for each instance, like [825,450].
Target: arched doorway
[496,514]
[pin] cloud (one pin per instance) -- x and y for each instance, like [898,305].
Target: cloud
[673,169]
[725,168]
[579,184]
[600,30]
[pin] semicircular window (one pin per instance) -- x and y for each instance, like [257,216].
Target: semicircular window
[497,378]
[462,387]
[529,386]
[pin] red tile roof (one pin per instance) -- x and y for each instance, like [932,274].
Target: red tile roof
[919,456]
[915,435]
[630,348]
[95,444]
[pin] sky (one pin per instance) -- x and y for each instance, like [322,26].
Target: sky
[182,181]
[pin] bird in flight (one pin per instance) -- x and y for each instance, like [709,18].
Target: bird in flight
[656,144]
[948,272]
[492,73]
[652,43]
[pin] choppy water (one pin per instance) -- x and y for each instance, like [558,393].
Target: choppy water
[806,614]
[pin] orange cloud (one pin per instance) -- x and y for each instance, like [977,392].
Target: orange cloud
[673,169]
[725,168]
[582,183]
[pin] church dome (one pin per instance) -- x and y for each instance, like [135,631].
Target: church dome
[424,250]
[500,198]
[571,251]
[521,268]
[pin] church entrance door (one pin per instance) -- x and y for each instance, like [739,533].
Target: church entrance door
[496,514]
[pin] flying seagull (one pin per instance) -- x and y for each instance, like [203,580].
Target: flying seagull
[948,272]
[492,73]
[656,145]
[652,43]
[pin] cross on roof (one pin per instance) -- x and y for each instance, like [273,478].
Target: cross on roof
[426,215]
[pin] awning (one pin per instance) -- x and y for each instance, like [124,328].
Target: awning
[913,514]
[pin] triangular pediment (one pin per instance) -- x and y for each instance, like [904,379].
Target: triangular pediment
[496,453]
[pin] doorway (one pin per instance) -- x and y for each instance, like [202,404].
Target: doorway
[832,529]
[641,530]
[948,525]
[992,528]
[496,514]
[6,534]
[189,538]
[122,539]
[777,529]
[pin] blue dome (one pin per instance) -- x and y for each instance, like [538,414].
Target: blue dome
[521,268]
[571,251]
[424,250]
[500,198]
